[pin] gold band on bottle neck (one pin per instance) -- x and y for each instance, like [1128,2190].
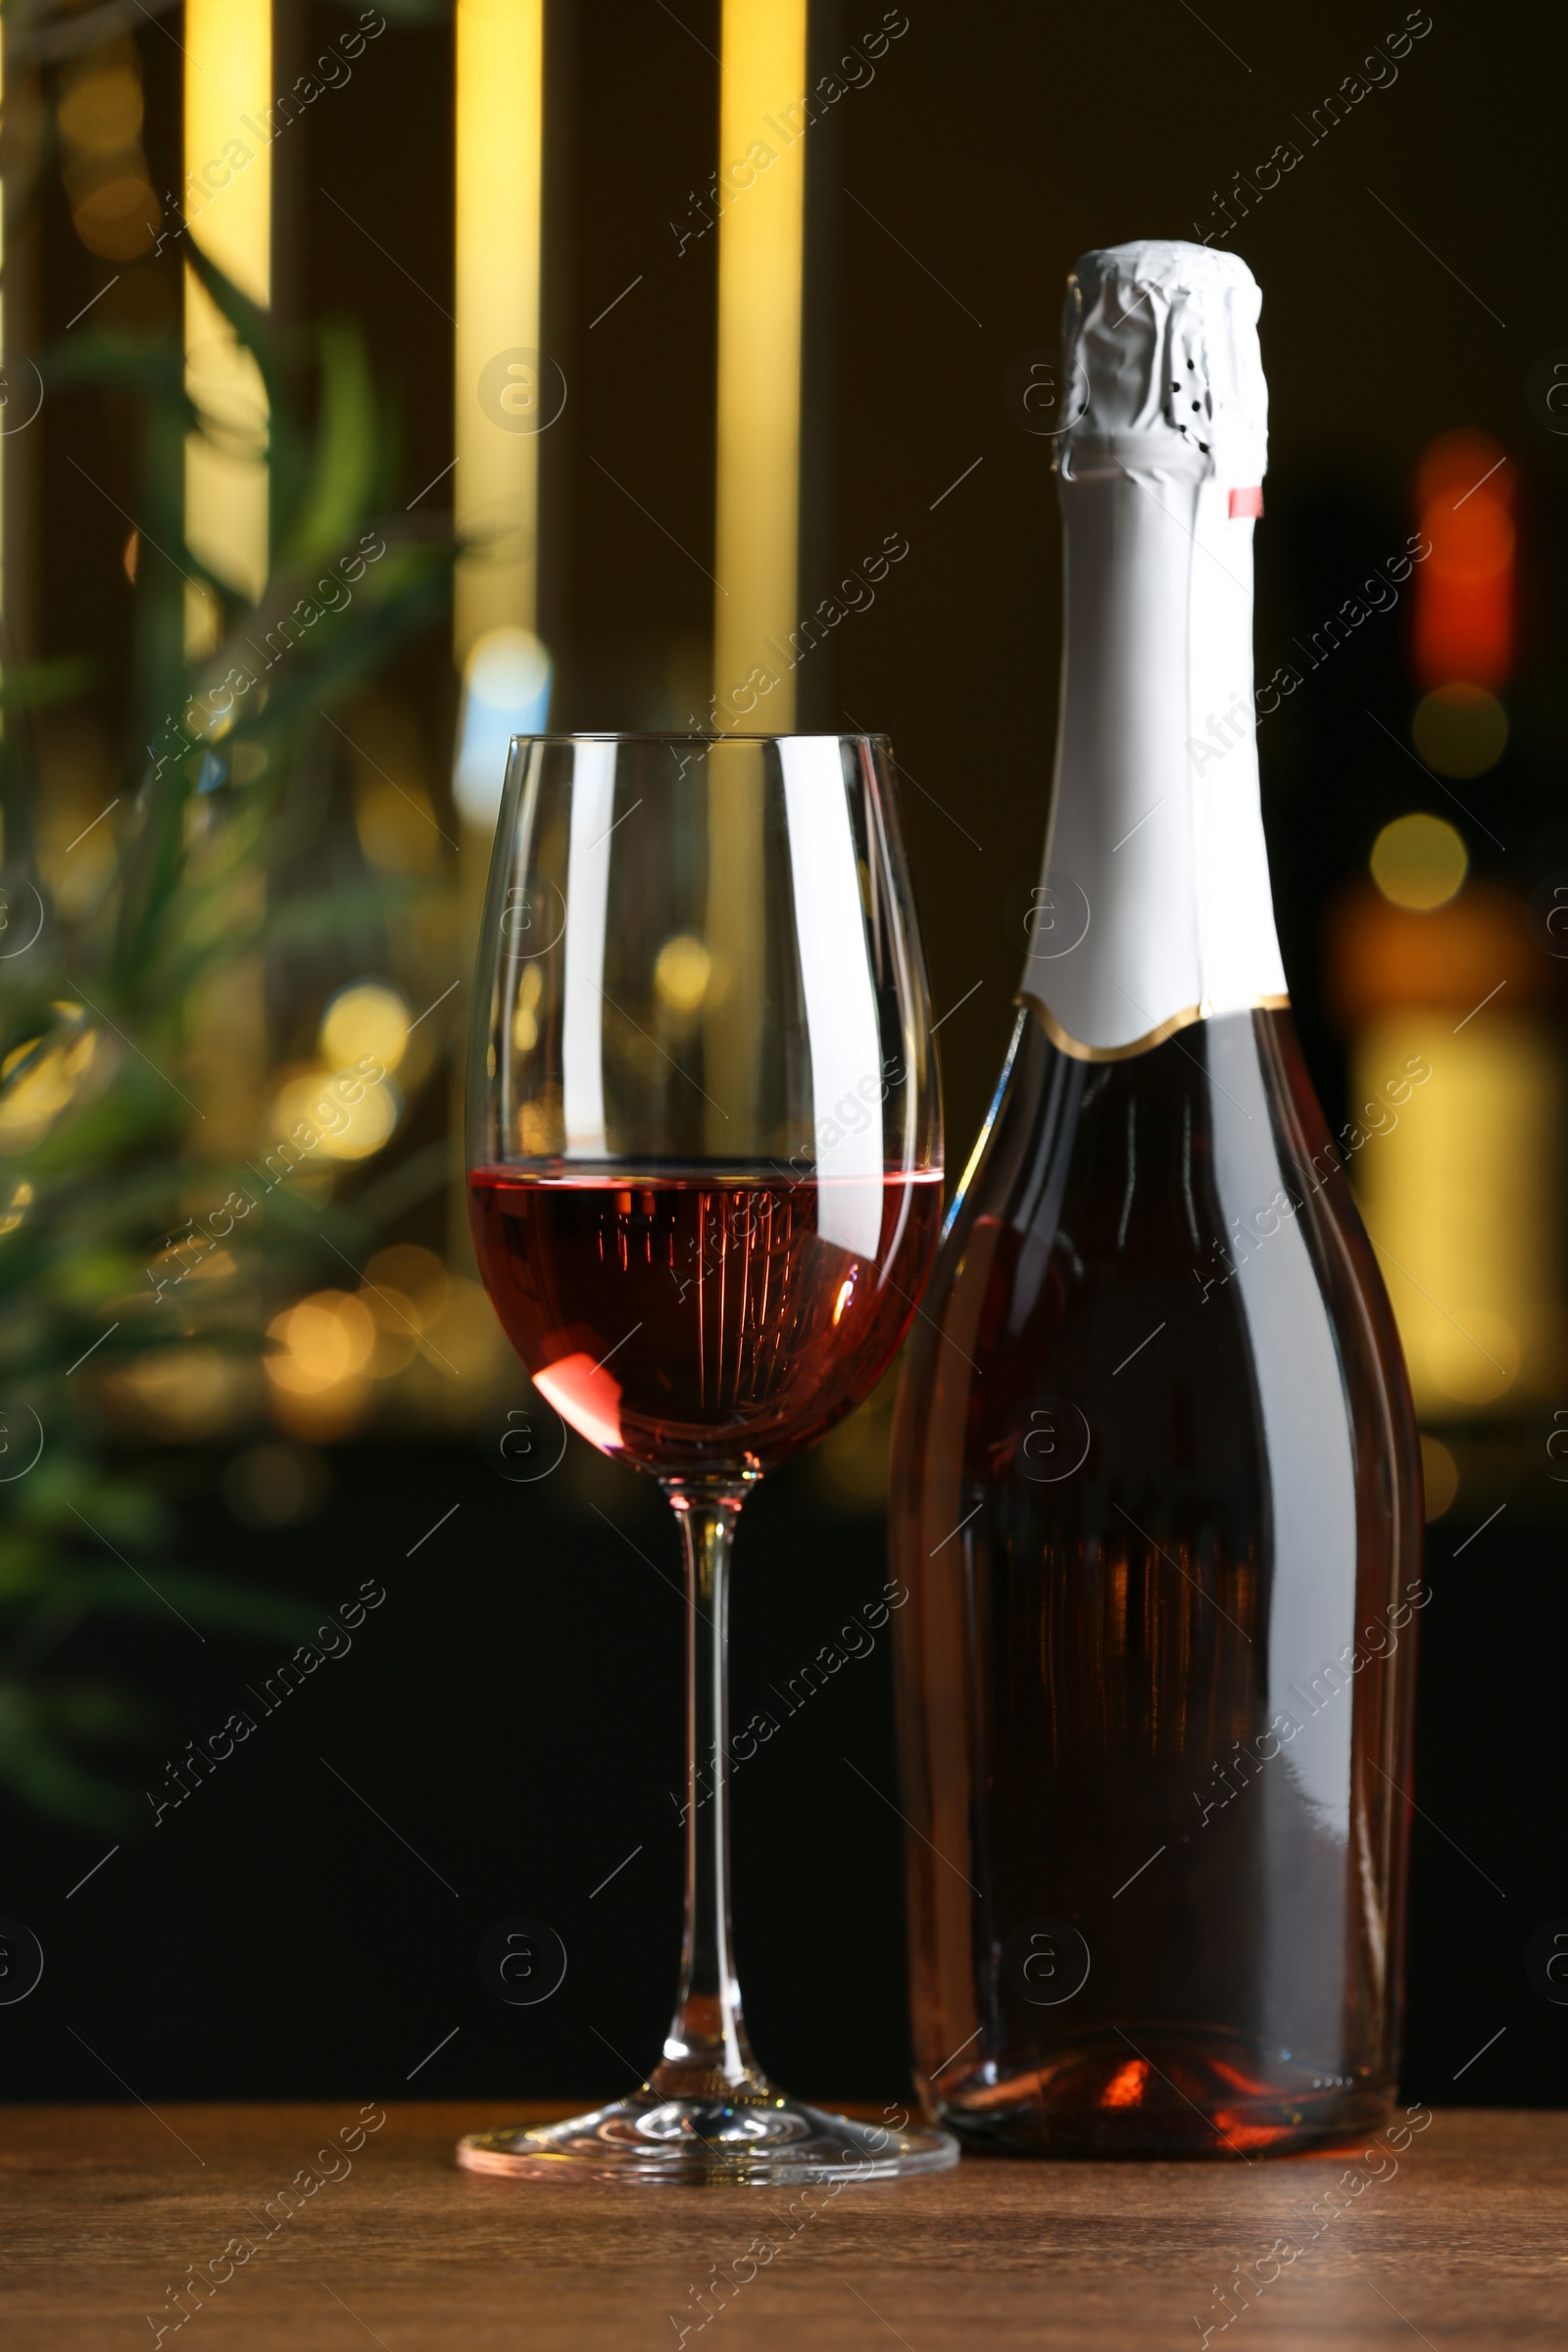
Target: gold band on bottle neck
[1079,1051]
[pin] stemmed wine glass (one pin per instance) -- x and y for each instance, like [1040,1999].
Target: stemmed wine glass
[705,1153]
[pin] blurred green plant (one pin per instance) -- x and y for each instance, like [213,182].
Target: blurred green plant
[104,1162]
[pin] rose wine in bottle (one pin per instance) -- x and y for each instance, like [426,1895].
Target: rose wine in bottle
[1155,1486]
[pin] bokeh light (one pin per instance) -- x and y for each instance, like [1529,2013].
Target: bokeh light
[1419,861]
[1464,585]
[184,1393]
[114,207]
[325,1339]
[276,1485]
[397,1331]
[318,1370]
[120,219]
[406,1289]
[318,1099]
[1440,1475]
[506,691]
[1473,1356]
[417,1277]
[683,972]
[102,110]
[396,826]
[366,1021]
[1460,730]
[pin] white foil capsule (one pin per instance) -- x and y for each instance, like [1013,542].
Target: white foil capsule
[1156,822]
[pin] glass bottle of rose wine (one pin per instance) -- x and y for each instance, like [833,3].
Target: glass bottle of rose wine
[1156,1491]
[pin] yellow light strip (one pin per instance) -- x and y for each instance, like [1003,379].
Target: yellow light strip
[229,203]
[761,200]
[1459,1187]
[503,393]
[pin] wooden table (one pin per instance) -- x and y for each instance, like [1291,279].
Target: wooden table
[106,2208]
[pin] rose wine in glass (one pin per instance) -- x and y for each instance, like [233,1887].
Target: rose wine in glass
[705,1187]
[745,1316]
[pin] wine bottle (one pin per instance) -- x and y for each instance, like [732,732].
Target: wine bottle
[1156,1485]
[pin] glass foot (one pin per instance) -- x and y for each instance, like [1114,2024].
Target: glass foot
[765,2139]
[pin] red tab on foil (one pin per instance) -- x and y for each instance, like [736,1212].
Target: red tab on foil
[1247,504]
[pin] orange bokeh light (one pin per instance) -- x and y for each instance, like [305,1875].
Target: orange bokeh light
[1464,589]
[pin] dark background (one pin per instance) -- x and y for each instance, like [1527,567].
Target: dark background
[512,1711]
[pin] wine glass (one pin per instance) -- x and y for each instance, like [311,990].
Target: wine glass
[705,1153]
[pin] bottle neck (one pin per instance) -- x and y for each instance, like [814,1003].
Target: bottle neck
[1154,909]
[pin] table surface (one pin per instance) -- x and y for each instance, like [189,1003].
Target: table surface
[1459,2237]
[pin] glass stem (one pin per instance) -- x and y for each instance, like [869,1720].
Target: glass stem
[706,2051]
